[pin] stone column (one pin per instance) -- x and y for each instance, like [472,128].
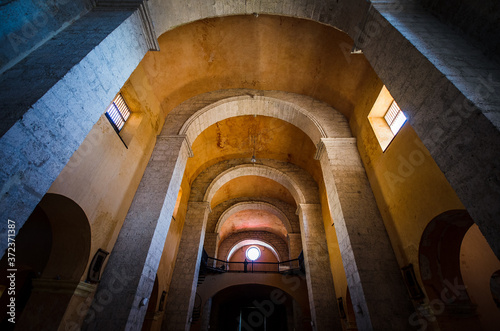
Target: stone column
[182,292]
[295,242]
[378,293]
[128,279]
[86,72]
[322,298]
[210,245]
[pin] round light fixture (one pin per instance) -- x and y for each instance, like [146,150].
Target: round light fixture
[253,253]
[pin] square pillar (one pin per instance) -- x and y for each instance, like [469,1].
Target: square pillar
[120,302]
[295,241]
[182,292]
[322,298]
[373,276]
[210,245]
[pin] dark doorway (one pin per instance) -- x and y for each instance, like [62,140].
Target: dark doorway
[250,308]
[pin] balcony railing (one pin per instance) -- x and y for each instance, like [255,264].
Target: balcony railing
[214,265]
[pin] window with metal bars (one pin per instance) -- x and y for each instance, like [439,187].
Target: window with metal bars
[118,113]
[394,117]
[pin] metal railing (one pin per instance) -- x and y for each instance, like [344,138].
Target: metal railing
[220,266]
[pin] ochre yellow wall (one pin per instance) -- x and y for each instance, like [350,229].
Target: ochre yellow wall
[102,176]
[409,187]
[477,265]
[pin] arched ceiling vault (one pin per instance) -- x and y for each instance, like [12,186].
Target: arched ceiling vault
[244,136]
[248,185]
[256,206]
[170,14]
[277,178]
[250,219]
[264,53]
[268,53]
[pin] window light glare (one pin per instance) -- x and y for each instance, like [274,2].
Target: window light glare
[395,117]
[398,122]
[118,112]
[253,253]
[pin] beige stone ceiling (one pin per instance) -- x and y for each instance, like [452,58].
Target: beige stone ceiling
[252,186]
[237,136]
[251,219]
[265,52]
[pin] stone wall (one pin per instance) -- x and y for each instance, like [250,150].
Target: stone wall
[28,24]
[478,20]
[34,150]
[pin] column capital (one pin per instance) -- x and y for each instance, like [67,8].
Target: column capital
[326,143]
[199,205]
[304,207]
[142,6]
[338,142]
[186,144]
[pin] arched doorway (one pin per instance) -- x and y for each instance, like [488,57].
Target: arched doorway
[32,251]
[255,307]
[439,255]
[57,236]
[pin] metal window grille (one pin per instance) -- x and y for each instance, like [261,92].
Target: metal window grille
[394,117]
[118,113]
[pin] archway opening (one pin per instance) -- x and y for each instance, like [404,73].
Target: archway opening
[257,307]
[32,251]
[439,255]
[66,258]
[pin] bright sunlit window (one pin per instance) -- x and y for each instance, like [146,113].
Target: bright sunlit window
[395,117]
[386,118]
[118,113]
[253,253]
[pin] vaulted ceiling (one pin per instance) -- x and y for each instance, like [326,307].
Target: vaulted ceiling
[259,53]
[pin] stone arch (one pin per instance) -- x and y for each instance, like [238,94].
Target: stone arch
[391,18]
[32,251]
[279,244]
[439,259]
[255,105]
[318,117]
[255,205]
[323,12]
[69,255]
[71,237]
[255,170]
